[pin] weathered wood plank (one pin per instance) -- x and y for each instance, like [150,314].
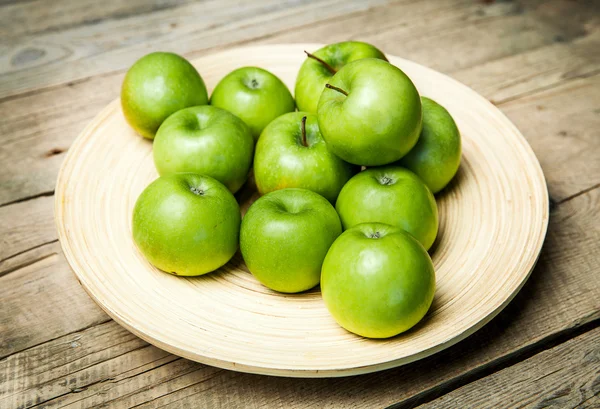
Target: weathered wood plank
[449,37]
[499,43]
[506,79]
[8,2]
[566,376]
[32,17]
[82,52]
[24,259]
[43,301]
[561,295]
[25,225]
[86,51]
[561,124]
[49,370]
[37,129]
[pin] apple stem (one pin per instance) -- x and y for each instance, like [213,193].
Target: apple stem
[336,89]
[386,180]
[197,191]
[314,57]
[304,131]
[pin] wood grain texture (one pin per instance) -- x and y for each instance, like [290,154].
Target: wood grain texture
[506,79]
[48,372]
[23,259]
[25,225]
[452,35]
[81,52]
[41,302]
[37,130]
[497,208]
[25,18]
[566,376]
[562,294]
[562,124]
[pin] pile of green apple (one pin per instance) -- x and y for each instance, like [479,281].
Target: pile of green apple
[347,181]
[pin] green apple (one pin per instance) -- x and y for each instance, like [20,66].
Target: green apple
[186,224]
[205,140]
[292,153]
[255,95]
[284,238]
[391,195]
[377,281]
[156,86]
[436,156]
[370,113]
[321,65]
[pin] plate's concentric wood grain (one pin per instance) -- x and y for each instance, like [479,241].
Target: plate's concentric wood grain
[493,219]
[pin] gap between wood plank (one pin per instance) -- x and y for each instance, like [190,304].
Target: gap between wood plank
[4,3]
[85,387]
[348,16]
[76,390]
[116,17]
[26,250]
[496,365]
[28,263]
[574,195]
[5,357]
[565,376]
[31,92]
[133,376]
[578,406]
[24,199]
[512,98]
[185,397]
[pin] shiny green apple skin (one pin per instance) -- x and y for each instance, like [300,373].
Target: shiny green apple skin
[284,238]
[377,281]
[380,119]
[186,224]
[156,86]
[254,95]
[436,156]
[205,140]
[391,195]
[313,75]
[283,161]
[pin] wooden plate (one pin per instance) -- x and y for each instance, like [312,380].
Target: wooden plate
[493,219]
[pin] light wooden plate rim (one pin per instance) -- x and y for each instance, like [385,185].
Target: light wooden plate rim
[541,203]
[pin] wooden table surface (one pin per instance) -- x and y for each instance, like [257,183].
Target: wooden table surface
[62,61]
